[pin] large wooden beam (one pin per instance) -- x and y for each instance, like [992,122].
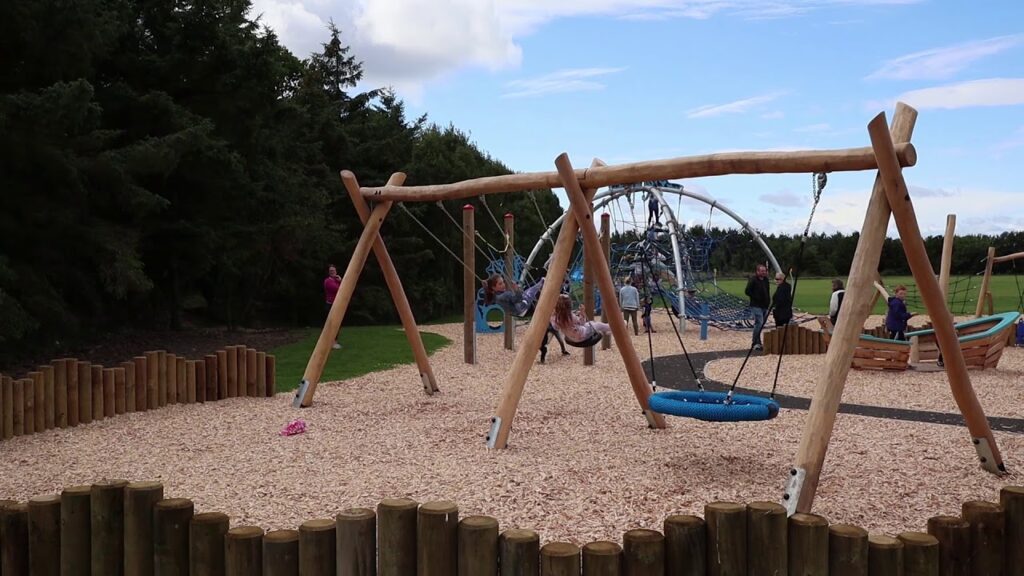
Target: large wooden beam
[317,360]
[394,283]
[947,256]
[602,273]
[805,161]
[924,275]
[515,382]
[821,418]
[1008,258]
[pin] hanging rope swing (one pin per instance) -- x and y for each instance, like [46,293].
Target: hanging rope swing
[728,406]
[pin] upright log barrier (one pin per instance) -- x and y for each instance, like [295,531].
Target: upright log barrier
[70,392]
[113,527]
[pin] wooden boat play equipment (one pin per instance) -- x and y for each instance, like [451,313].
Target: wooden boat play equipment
[890,151]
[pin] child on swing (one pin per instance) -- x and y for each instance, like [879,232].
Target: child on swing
[574,324]
[520,303]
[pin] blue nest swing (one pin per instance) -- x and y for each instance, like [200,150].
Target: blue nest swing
[714,406]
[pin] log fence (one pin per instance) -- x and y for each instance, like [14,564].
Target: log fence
[70,392]
[802,340]
[131,529]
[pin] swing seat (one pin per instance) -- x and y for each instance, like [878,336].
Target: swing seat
[711,406]
[594,339]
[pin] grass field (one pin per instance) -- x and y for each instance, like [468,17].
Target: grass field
[364,349]
[812,294]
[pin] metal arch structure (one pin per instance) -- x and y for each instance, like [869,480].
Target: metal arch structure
[658,189]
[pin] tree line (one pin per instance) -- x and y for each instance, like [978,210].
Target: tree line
[171,164]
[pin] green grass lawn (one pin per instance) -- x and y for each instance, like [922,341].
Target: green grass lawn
[812,294]
[365,349]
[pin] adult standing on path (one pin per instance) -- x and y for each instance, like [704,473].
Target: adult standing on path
[782,300]
[331,285]
[629,301]
[760,298]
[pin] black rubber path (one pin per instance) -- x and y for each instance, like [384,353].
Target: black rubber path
[673,372]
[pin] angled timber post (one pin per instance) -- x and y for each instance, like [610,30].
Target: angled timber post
[990,259]
[588,295]
[510,251]
[924,275]
[317,360]
[803,478]
[515,382]
[947,256]
[394,283]
[469,284]
[606,250]
[602,273]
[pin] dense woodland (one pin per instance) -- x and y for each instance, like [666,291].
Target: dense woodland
[170,164]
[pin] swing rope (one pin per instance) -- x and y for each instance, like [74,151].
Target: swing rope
[696,377]
[440,242]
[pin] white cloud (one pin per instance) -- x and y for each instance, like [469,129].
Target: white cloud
[735,107]
[987,92]
[1015,140]
[822,127]
[406,43]
[573,80]
[785,198]
[939,63]
[773,115]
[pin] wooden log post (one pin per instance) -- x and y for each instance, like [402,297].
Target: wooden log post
[232,359]
[272,373]
[317,360]
[96,372]
[209,388]
[509,320]
[181,379]
[726,538]
[140,500]
[243,551]
[1011,498]
[515,382]
[396,537]
[469,286]
[581,209]
[76,531]
[643,553]
[29,385]
[152,380]
[108,393]
[223,390]
[50,397]
[847,550]
[988,527]
[802,161]
[817,432]
[945,334]
[357,542]
[954,536]
[107,525]
[7,393]
[161,363]
[39,388]
[685,545]
[171,520]
[588,296]
[250,372]
[141,384]
[478,546]
[983,292]
[437,539]
[120,397]
[946,263]
[885,555]
[206,543]
[44,535]
[603,558]
[281,553]
[85,393]
[172,378]
[560,559]
[66,394]
[808,544]
[19,407]
[920,554]
[394,283]
[196,390]
[519,552]
[261,374]
[766,538]
[318,547]
[14,548]
[606,249]
[128,368]
[201,374]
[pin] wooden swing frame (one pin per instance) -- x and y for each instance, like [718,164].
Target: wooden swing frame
[890,151]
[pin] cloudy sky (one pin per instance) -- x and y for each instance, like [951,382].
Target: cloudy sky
[630,80]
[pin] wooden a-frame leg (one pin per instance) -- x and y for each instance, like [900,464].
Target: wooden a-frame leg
[317,360]
[394,283]
[501,423]
[602,273]
[803,478]
[934,301]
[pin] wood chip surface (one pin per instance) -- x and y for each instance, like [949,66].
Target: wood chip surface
[581,466]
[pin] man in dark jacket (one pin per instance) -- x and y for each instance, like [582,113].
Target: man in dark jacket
[782,300]
[760,298]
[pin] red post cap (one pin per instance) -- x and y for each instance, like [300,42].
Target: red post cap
[468,207]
